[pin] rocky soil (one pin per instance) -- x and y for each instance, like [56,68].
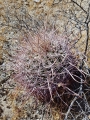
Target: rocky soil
[50,14]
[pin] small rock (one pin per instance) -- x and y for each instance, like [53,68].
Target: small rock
[56,1]
[36,1]
[89,117]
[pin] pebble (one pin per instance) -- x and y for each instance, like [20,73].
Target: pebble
[36,1]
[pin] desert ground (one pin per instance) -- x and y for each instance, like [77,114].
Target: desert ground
[68,18]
